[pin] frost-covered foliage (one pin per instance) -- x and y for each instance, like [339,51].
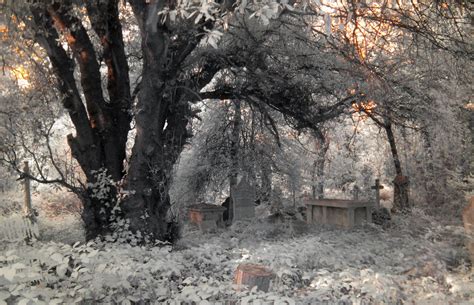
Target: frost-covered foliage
[16,227]
[418,261]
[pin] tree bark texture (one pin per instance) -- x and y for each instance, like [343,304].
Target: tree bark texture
[317,173]
[169,81]
[401,200]
[266,177]
[102,121]
[235,144]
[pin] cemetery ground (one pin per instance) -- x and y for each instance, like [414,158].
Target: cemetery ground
[415,259]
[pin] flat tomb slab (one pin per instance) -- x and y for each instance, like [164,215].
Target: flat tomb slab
[339,212]
[206,216]
[339,203]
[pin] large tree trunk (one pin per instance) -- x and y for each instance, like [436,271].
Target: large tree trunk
[433,195]
[234,154]
[400,183]
[235,145]
[101,127]
[317,172]
[161,120]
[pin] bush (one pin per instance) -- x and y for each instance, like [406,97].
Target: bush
[57,203]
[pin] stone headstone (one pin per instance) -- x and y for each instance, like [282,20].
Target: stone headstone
[243,198]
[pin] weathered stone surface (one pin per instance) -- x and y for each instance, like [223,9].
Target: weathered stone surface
[252,275]
[468,220]
[207,217]
[243,198]
[343,213]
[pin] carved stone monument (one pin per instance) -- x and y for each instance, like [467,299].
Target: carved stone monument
[243,198]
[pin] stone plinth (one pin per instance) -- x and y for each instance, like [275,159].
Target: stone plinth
[252,275]
[339,212]
[207,217]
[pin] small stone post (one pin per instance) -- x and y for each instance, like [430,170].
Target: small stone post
[377,187]
[27,207]
[355,192]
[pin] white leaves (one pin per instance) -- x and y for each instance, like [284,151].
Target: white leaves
[61,270]
[172,14]
[4,295]
[57,257]
[212,38]
[25,301]
[266,12]
[199,10]
[8,273]
[17,227]
[101,268]
[93,253]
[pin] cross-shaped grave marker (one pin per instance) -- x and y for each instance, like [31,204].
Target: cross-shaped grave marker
[355,192]
[377,187]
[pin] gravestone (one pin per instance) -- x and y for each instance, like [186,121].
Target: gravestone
[243,198]
[377,187]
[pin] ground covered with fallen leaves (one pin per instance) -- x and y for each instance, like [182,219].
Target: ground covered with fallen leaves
[414,260]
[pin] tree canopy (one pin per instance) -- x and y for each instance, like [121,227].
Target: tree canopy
[148,63]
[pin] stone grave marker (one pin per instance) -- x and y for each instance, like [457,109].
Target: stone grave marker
[243,198]
[377,187]
[355,192]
